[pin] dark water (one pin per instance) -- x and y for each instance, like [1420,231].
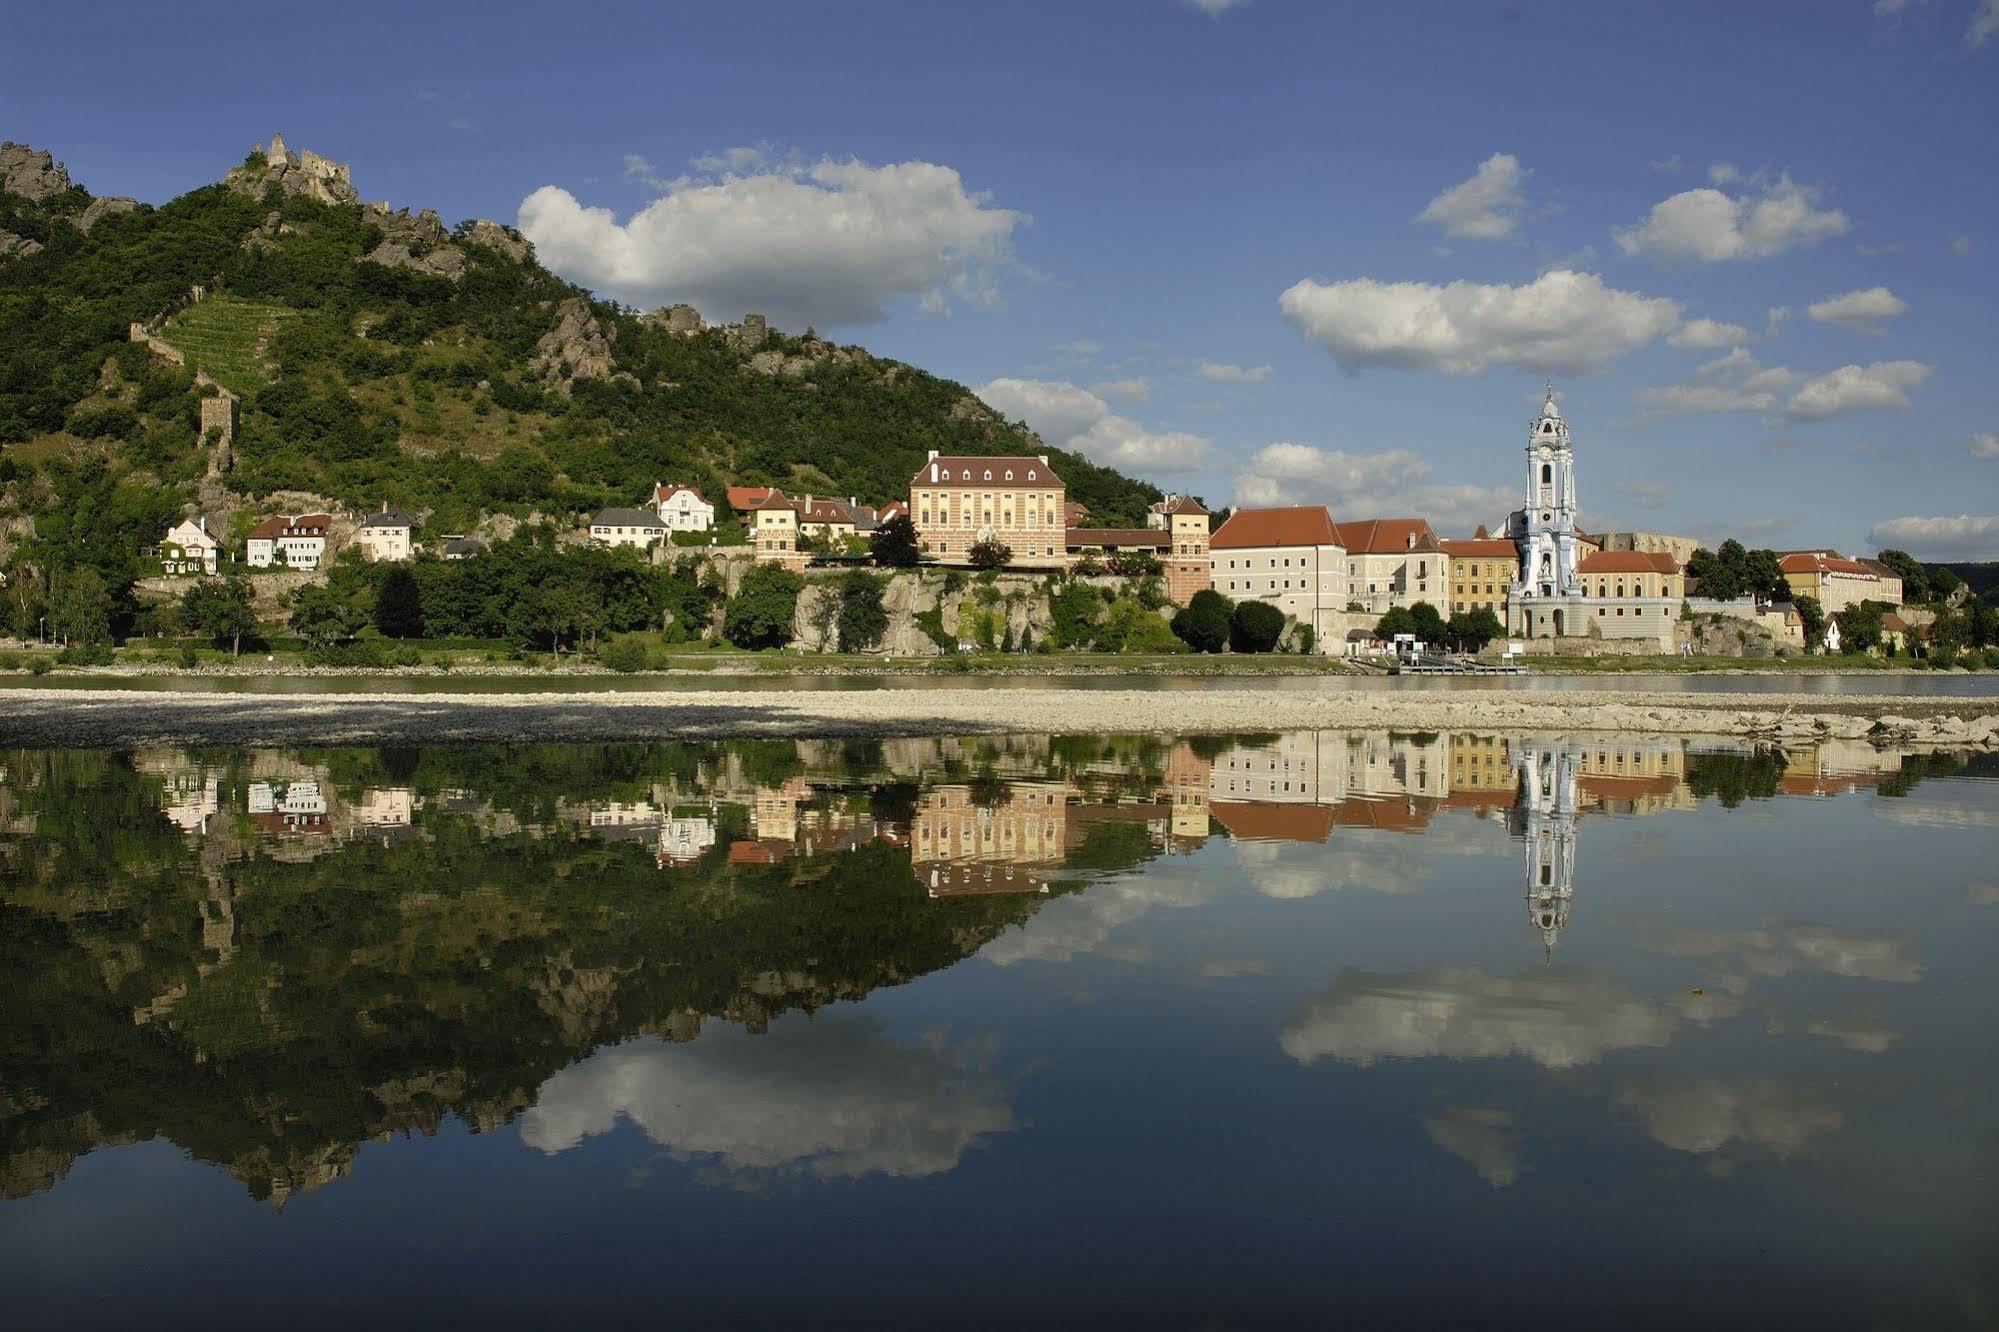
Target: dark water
[1315,1029]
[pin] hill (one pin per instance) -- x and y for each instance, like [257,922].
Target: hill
[383,358]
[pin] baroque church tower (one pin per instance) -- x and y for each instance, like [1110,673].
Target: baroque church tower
[1548,808]
[1550,554]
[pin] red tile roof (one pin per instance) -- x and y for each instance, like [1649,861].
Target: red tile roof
[660,493]
[1255,528]
[978,471]
[748,497]
[1815,562]
[1481,548]
[1268,821]
[1384,536]
[1628,561]
[1178,504]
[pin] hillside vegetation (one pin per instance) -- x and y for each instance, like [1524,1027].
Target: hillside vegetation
[367,378]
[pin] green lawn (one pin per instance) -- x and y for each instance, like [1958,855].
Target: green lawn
[230,339]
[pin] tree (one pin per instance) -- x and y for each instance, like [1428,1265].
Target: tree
[80,607]
[1860,626]
[1811,616]
[1133,563]
[894,544]
[399,605]
[323,618]
[1398,620]
[760,614]
[992,553]
[1429,624]
[862,619]
[1204,624]
[221,612]
[1472,630]
[1255,627]
[1915,580]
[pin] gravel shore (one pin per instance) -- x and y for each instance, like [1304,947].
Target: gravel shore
[111,717]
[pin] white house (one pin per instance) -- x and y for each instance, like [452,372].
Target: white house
[189,548]
[290,543]
[682,509]
[385,535]
[1291,558]
[640,529]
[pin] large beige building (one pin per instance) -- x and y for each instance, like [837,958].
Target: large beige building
[1394,562]
[957,502]
[1837,582]
[1479,572]
[1291,558]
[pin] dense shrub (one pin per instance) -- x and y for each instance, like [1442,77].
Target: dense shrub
[1255,627]
[1204,624]
[760,614]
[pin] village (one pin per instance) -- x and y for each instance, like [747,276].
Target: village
[1366,588]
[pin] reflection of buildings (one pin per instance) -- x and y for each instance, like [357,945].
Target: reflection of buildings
[1547,806]
[968,839]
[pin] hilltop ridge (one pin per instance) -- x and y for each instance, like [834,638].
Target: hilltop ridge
[381,356]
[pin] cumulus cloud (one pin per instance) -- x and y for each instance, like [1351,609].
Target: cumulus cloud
[1881,386]
[1217,8]
[1557,1019]
[1708,335]
[1737,382]
[1135,389]
[1486,1140]
[1711,226]
[1069,416]
[833,1098]
[1562,322]
[1234,374]
[1356,485]
[1734,957]
[1985,445]
[1863,310]
[1705,1115]
[1965,537]
[1984,24]
[823,243]
[1486,207]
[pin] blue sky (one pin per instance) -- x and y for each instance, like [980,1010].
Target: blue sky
[1277,252]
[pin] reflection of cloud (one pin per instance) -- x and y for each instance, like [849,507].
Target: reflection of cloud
[1780,949]
[1982,894]
[1377,862]
[1857,1033]
[1486,1140]
[1930,812]
[1227,968]
[1704,1115]
[1558,1019]
[834,1098]
[1082,922]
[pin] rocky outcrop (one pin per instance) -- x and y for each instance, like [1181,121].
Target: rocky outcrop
[815,353]
[683,319]
[265,236]
[17,247]
[100,209]
[417,242]
[504,239]
[576,348]
[31,173]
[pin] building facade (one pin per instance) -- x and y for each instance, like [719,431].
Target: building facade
[1393,562]
[192,547]
[640,529]
[1291,558]
[958,502]
[385,535]
[773,524]
[1541,600]
[1479,574]
[1837,582]
[297,542]
[682,508]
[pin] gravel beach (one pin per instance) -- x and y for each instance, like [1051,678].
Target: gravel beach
[111,717]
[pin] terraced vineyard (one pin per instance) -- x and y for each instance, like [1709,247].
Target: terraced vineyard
[230,338]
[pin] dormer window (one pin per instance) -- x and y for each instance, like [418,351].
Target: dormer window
[1009,474]
[1030,475]
[989,474]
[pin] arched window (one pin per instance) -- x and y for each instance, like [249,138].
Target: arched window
[1547,474]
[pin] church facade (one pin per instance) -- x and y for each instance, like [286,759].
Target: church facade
[1565,587]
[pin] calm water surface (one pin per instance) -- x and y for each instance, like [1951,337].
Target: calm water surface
[1317,1028]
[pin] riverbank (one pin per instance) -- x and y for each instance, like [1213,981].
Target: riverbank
[79,718]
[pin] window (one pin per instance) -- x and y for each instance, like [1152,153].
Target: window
[1009,474]
[1547,474]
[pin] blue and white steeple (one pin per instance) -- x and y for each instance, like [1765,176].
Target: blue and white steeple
[1549,553]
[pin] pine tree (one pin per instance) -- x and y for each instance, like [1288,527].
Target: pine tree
[399,605]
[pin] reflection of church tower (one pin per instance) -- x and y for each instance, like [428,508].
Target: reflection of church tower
[1548,808]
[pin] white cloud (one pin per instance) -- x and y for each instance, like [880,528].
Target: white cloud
[1396,482]
[1984,24]
[1965,537]
[1985,445]
[1644,494]
[1705,1115]
[1733,957]
[1135,389]
[1234,374]
[1217,8]
[1862,1034]
[1486,1140]
[1736,382]
[1708,335]
[823,243]
[1071,417]
[1670,165]
[1082,347]
[1486,207]
[833,1098]
[1863,310]
[1083,923]
[1708,225]
[1722,173]
[1892,8]
[1557,1019]
[1881,386]
[1563,321]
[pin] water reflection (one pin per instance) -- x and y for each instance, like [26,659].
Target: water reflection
[702,956]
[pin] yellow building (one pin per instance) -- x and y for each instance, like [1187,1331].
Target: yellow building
[1480,572]
[1018,501]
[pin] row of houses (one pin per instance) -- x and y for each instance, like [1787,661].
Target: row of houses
[300,541]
